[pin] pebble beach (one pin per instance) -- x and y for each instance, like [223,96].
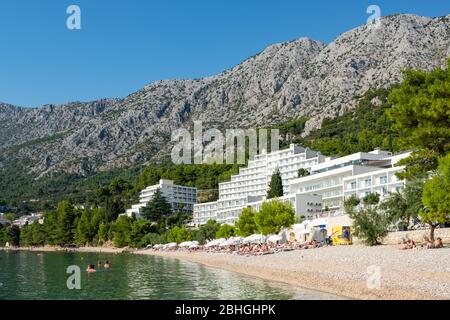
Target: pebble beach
[356,272]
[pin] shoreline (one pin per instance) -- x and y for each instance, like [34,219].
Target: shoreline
[340,270]
[319,280]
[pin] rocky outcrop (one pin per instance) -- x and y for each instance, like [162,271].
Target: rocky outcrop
[287,80]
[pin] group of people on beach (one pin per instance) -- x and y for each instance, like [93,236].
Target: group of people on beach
[91,268]
[411,244]
[255,248]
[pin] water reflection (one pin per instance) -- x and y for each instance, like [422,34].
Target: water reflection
[27,275]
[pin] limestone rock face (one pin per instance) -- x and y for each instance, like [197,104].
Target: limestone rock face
[287,80]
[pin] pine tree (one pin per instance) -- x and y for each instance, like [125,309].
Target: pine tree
[157,208]
[66,227]
[275,186]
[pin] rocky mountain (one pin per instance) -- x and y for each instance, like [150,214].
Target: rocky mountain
[287,80]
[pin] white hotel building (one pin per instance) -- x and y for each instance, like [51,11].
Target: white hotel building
[330,181]
[357,174]
[181,198]
[249,187]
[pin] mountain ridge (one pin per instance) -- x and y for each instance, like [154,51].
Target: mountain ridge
[301,77]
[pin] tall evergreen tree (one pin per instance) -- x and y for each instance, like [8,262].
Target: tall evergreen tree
[275,186]
[66,227]
[157,208]
[84,233]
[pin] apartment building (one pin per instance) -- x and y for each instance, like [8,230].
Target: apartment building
[356,174]
[249,187]
[181,198]
[254,179]
[330,182]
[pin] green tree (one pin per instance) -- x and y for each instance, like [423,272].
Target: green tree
[371,199]
[26,238]
[207,232]
[51,227]
[10,216]
[246,224]
[403,206]
[38,234]
[121,231]
[273,216]
[66,226]
[302,172]
[84,232]
[436,197]
[225,231]
[352,201]
[157,208]
[177,219]
[102,234]
[420,111]
[418,165]
[139,229]
[275,186]
[11,235]
[154,238]
[32,235]
[179,234]
[369,223]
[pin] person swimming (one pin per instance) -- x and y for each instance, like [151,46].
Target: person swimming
[107,265]
[90,268]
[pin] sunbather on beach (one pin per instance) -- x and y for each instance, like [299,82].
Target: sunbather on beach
[410,244]
[436,244]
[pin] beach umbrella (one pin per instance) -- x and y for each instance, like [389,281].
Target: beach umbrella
[185,244]
[193,245]
[275,238]
[225,244]
[254,238]
[215,242]
[195,242]
[235,240]
[172,245]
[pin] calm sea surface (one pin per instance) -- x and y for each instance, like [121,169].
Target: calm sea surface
[29,275]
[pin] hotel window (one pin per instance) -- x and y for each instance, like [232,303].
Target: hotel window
[383,180]
[353,185]
[368,182]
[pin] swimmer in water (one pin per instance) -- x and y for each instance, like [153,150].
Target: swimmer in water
[99,264]
[107,265]
[90,268]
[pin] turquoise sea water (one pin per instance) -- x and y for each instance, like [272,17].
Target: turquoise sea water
[29,275]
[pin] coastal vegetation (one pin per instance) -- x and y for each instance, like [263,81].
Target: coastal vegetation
[369,223]
[411,115]
[246,224]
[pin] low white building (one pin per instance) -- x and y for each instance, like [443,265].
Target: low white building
[181,198]
[28,219]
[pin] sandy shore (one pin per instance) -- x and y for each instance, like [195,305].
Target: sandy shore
[404,274]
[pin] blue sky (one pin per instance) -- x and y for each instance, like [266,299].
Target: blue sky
[123,45]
